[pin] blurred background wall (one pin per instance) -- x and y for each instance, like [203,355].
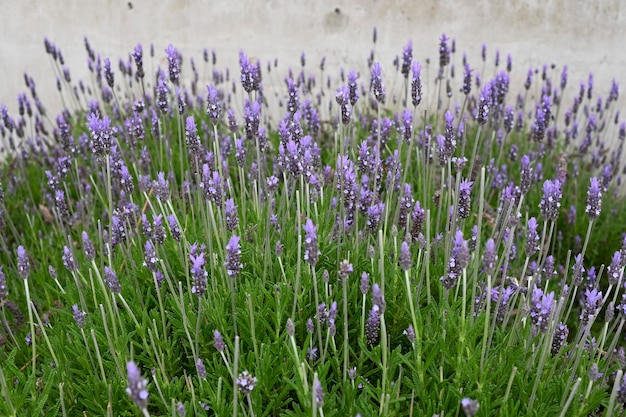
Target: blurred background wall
[588,36]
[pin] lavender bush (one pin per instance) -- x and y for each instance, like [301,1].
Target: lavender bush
[400,241]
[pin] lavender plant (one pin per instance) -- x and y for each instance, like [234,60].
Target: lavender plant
[391,249]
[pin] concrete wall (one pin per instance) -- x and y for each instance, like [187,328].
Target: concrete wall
[585,35]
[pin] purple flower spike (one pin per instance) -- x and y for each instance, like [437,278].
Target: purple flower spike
[79,316]
[173,62]
[540,309]
[200,368]
[365,283]
[405,261]
[593,299]
[560,338]
[459,257]
[614,270]
[137,386]
[4,292]
[111,281]
[470,407]
[138,57]
[23,264]
[231,215]
[233,257]
[407,56]
[532,237]
[311,252]
[198,273]
[218,341]
[483,104]
[68,259]
[377,86]
[174,229]
[464,199]
[551,201]
[444,51]
[353,90]
[467,80]
[250,74]
[594,199]
[101,134]
[150,257]
[489,256]
[108,73]
[161,187]
[214,107]
[246,382]
[372,326]
[416,83]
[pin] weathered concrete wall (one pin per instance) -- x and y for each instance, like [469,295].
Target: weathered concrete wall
[585,35]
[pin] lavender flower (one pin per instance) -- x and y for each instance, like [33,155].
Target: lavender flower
[489,256]
[318,393]
[372,326]
[68,259]
[591,305]
[374,215]
[614,270]
[410,333]
[110,279]
[501,296]
[444,51]
[405,261]
[246,382]
[250,74]
[137,386]
[3,286]
[483,104]
[218,341]
[407,56]
[378,301]
[158,231]
[108,73]
[353,91]
[161,187]
[551,201]
[233,257]
[173,62]
[214,107]
[540,309]
[192,139]
[470,407]
[463,206]
[416,84]
[174,229]
[79,316]
[311,252]
[377,86]
[138,57]
[345,269]
[560,338]
[198,273]
[101,134]
[459,257]
[150,257]
[365,283]
[532,237]
[23,264]
[578,270]
[467,80]
[594,199]
[230,212]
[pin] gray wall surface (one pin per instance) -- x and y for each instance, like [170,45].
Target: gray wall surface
[585,35]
